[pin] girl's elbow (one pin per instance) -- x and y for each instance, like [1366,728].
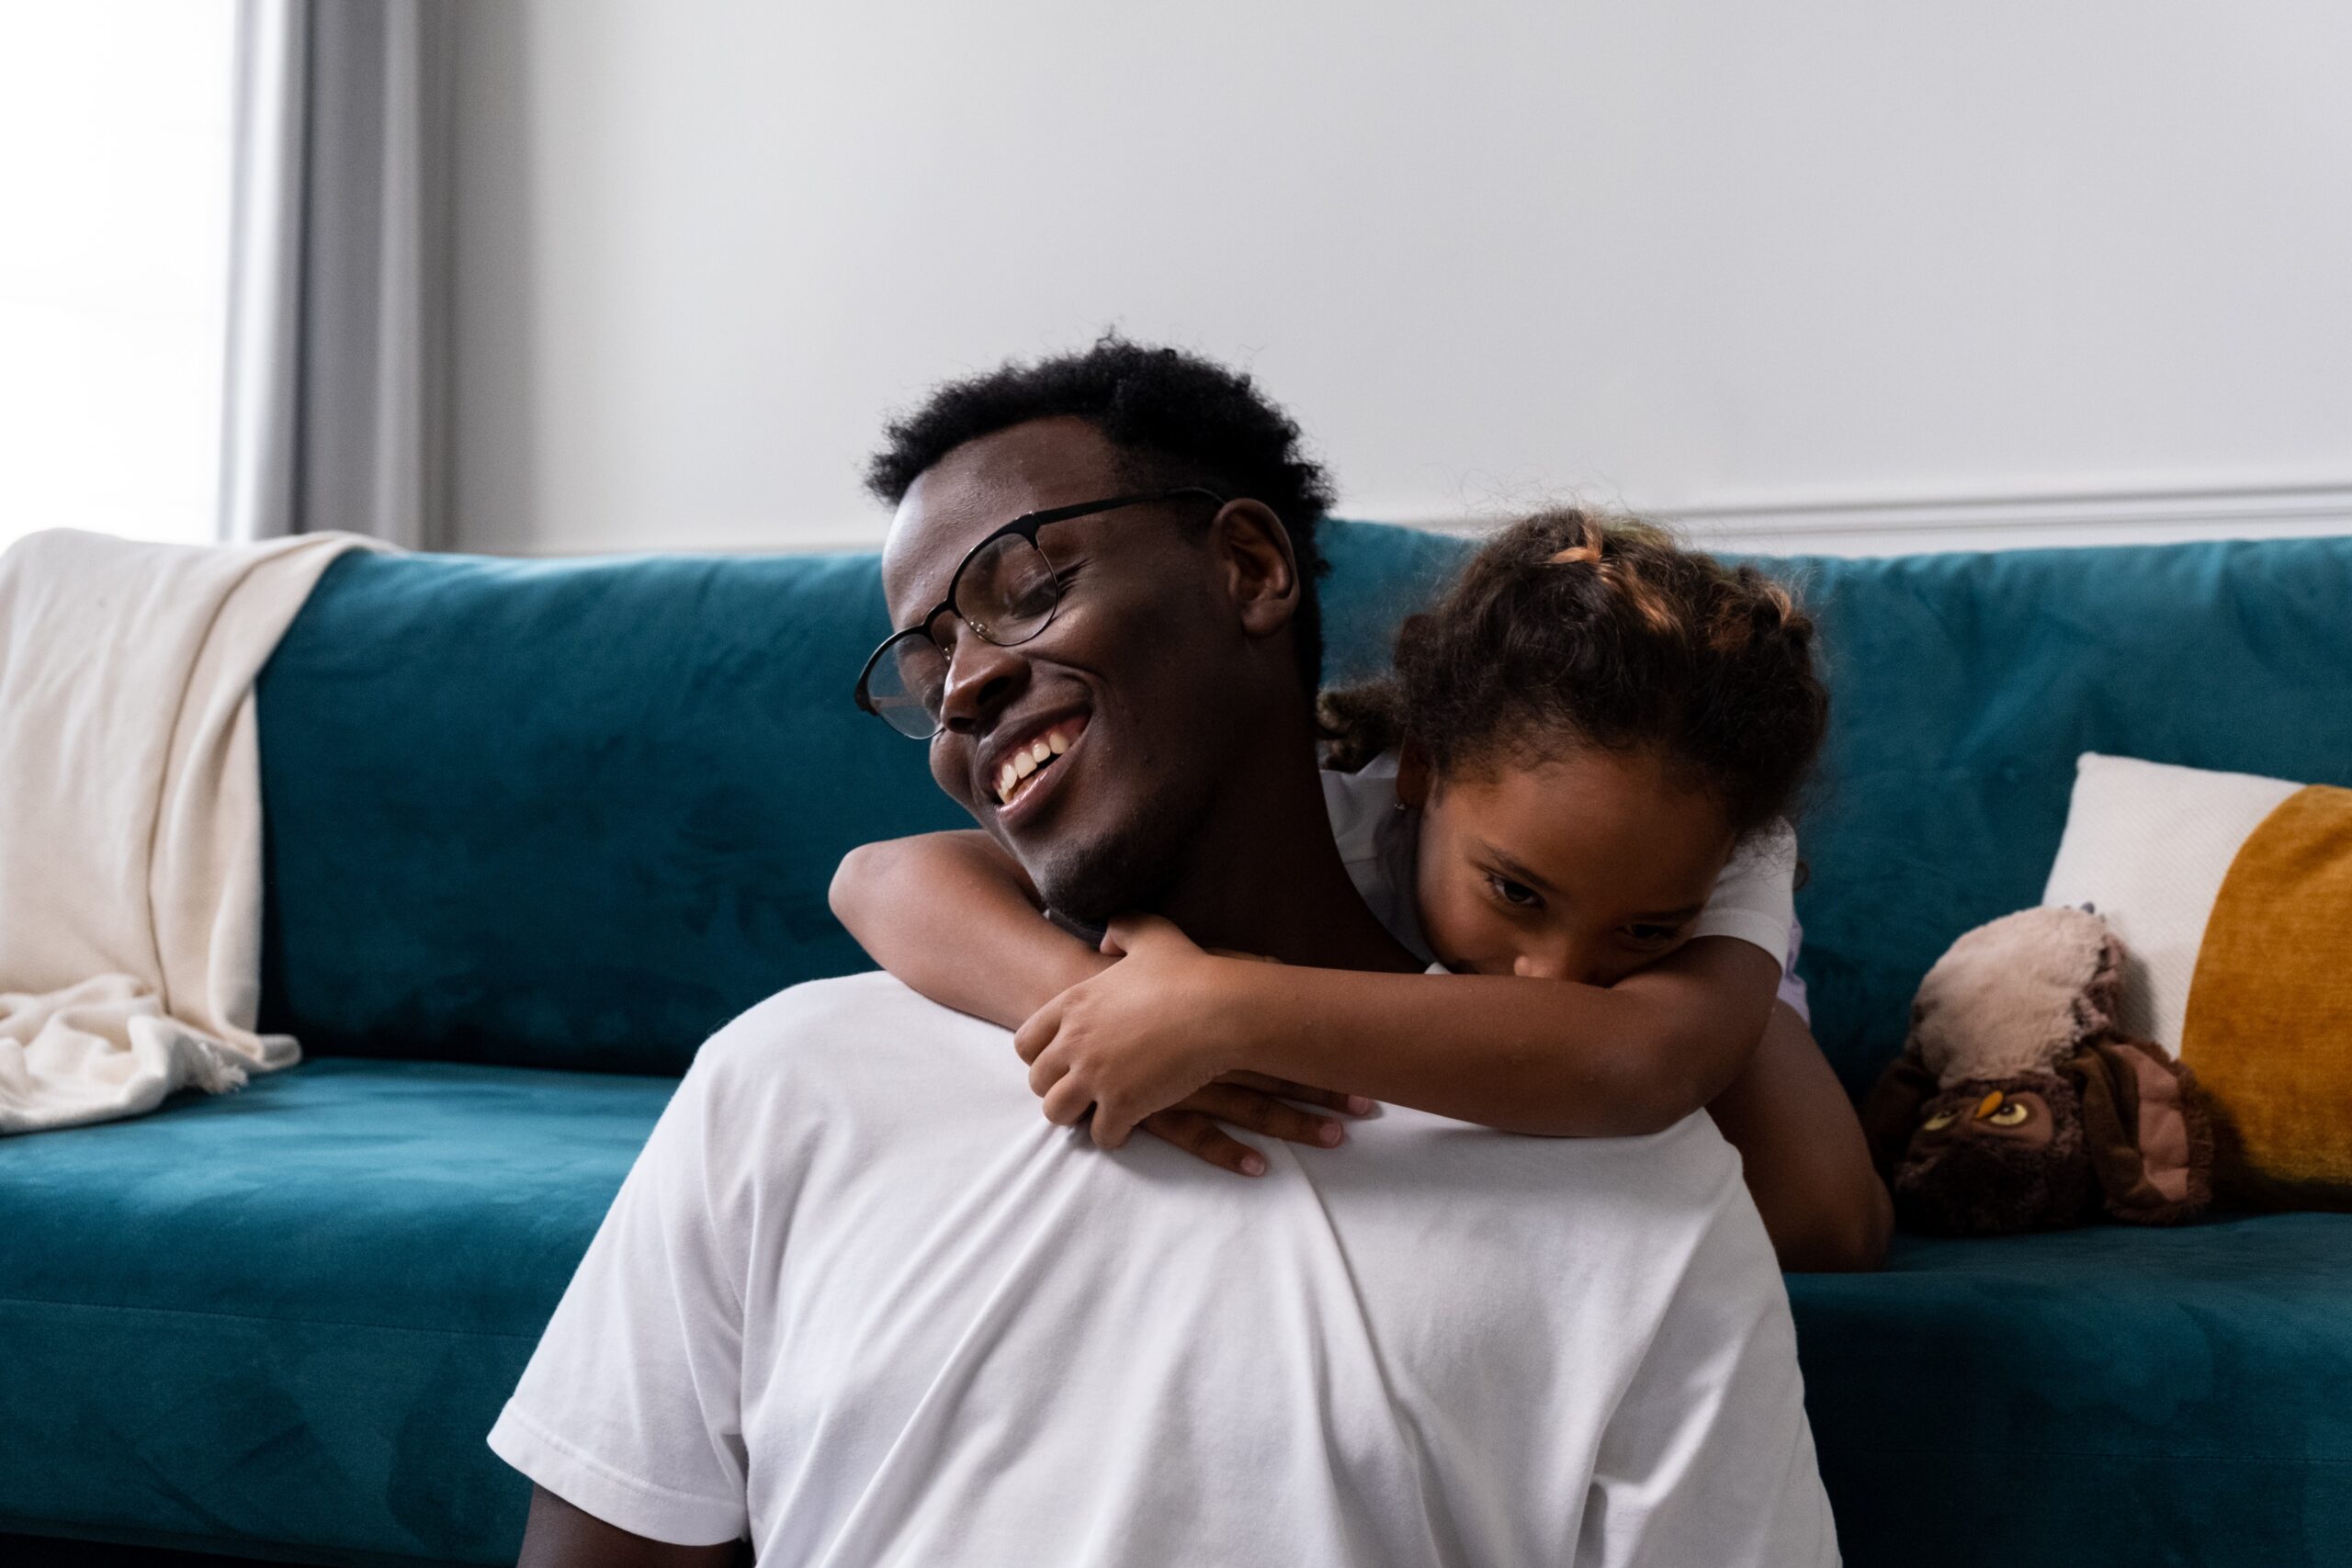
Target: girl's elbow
[1658,1109]
[1849,1238]
[853,881]
[1632,1109]
[1662,1091]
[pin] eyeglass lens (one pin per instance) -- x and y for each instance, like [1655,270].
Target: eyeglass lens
[1006,592]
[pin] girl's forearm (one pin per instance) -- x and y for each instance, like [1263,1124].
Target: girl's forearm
[945,915]
[1540,1057]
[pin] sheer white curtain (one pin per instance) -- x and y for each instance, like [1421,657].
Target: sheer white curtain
[338,358]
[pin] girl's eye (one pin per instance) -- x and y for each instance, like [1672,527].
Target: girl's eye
[1652,936]
[1516,894]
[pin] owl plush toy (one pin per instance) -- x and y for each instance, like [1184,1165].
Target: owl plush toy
[2014,1105]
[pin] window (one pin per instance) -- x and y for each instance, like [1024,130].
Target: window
[115,140]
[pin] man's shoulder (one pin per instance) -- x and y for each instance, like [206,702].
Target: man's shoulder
[1635,1191]
[860,1063]
[828,1026]
[1683,1178]
[844,998]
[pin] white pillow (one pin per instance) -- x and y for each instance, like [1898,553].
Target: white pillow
[2147,845]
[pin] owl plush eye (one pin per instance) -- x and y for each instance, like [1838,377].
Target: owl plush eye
[1940,1121]
[2012,1114]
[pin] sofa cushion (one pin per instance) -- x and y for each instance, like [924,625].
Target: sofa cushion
[568,814]
[2115,1396]
[291,1314]
[1963,688]
[578,814]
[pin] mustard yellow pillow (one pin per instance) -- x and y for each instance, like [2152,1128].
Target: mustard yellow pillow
[2235,894]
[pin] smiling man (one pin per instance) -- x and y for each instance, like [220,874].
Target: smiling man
[859,1302]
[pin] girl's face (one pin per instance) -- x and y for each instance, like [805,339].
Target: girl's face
[1586,869]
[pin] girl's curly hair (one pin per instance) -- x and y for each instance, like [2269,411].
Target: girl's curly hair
[1572,629]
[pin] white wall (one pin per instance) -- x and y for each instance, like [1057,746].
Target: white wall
[1817,275]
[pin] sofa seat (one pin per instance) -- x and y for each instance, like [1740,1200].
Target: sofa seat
[289,1314]
[2106,1395]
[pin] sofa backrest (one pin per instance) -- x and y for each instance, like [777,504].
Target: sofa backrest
[579,814]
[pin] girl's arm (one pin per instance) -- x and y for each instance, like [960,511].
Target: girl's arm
[954,917]
[1808,1166]
[1699,1029]
[1549,1057]
[957,919]
[1668,1040]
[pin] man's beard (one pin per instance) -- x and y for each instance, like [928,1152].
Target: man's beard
[1132,869]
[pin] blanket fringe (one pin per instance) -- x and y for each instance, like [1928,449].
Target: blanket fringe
[216,1068]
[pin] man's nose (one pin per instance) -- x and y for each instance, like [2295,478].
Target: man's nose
[981,678]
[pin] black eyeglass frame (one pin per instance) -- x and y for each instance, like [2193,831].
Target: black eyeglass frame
[1027,527]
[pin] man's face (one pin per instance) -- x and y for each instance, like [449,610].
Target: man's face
[1135,691]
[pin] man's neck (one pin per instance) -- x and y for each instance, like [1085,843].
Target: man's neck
[1266,877]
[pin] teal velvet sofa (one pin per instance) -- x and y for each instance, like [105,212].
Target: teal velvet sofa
[534,830]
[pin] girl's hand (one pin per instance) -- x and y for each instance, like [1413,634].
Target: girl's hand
[1148,1038]
[1254,1104]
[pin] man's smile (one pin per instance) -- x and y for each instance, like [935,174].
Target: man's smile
[1026,767]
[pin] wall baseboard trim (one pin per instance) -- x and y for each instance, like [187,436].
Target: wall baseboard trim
[1875,528]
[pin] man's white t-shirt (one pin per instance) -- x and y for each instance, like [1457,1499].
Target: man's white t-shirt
[1754,899]
[860,1302]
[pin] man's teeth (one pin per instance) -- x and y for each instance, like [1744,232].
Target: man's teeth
[1026,762]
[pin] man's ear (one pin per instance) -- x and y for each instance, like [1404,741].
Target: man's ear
[1412,776]
[1260,567]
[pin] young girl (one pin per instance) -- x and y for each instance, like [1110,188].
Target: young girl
[1570,795]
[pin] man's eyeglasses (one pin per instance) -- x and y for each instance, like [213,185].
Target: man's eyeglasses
[1005,590]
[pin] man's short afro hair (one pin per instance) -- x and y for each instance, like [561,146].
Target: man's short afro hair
[1176,418]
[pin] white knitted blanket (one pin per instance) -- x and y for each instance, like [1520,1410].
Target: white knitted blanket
[131,816]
